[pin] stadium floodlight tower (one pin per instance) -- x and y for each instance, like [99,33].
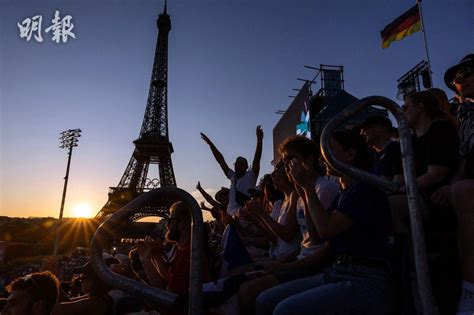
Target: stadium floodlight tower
[410,81]
[69,140]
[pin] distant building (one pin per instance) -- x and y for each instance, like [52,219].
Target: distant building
[308,113]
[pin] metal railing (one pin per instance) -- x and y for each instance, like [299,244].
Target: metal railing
[117,223]
[419,248]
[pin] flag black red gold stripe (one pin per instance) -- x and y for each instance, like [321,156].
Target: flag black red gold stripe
[403,26]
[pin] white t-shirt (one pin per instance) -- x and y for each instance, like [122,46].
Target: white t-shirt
[284,248]
[243,184]
[274,214]
[276,209]
[327,191]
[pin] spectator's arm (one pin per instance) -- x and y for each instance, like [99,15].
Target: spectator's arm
[435,175]
[313,234]
[249,213]
[258,152]
[217,154]
[161,265]
[398,178]
[206,196]
[318,259]
[327,224]
[269,235]
[310,217]
[204,207]
[154,275]
[286,232]
[460,172]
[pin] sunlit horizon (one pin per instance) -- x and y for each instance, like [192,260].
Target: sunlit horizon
[76,209]
[255,60]
[82,210]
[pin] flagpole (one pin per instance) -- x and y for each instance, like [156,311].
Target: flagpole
[418,2]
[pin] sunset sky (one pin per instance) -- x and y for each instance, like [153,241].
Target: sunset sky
[232,64]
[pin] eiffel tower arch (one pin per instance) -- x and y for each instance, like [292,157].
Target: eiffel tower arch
[153,146]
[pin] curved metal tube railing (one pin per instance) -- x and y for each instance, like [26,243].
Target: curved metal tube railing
[421,265]
[116,223]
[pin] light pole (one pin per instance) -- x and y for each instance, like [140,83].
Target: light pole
[69,139]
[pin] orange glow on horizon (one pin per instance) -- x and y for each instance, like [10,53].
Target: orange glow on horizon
[82,210]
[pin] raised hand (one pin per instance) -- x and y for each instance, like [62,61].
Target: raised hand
[144,251]
[247,214]
[259,132]
[150,241]
[255,207]
[206,139]
[198,186]
[301,174]
[152,247]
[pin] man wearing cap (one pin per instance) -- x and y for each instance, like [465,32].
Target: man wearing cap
[459,194]
[378,132]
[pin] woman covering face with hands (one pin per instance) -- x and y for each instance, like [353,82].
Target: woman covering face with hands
[356,228]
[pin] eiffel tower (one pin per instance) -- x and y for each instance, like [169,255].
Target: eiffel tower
[153,145]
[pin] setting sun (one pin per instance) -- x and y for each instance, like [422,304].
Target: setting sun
[82,210]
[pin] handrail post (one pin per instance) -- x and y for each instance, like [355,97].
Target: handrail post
[115,222]
[419,247]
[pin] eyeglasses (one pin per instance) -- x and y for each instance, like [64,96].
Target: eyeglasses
[463,73]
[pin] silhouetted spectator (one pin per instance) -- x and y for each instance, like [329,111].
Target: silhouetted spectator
[241,178]
[96,298]
[172,276]
[459,194]
[216,206]
[435,149]
[357,230]
[265,205]
[137,265]
[282,228]
[314,253]
[378,132]
[279,225]
[33,294]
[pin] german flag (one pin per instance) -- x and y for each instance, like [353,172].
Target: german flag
[403,26]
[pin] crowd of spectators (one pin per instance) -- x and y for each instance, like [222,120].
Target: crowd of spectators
[308,239]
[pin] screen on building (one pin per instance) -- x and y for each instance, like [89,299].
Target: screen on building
[332,80]
[295,120]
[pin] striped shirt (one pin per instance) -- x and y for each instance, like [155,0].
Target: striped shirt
[465,120]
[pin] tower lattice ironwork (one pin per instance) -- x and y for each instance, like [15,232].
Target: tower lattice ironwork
[153,145]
